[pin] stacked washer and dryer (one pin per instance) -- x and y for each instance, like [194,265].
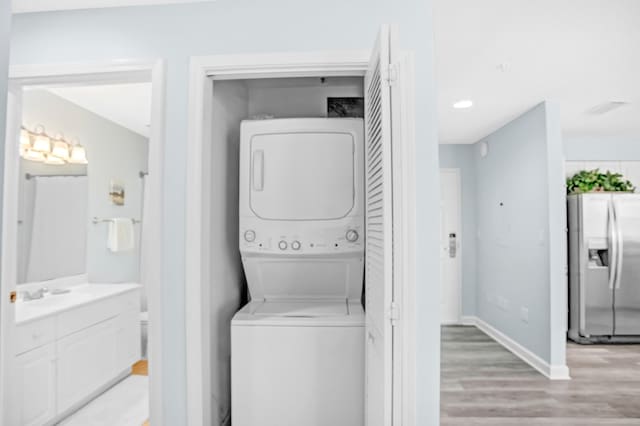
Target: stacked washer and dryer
[297,348]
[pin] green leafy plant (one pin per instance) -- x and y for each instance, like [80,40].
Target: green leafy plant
[595,181]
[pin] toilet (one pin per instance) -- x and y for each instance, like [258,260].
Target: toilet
[144,333]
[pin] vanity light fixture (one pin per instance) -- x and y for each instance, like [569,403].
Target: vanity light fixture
[41,142]
[38,146]
[78,155]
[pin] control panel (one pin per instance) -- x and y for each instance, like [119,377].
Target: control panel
[301,239]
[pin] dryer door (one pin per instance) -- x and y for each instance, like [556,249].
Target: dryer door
[302,176]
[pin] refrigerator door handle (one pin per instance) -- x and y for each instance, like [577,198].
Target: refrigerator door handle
[620,250]
[613,247]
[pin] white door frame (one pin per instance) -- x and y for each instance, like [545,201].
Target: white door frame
[100,73]
[460,238]
[203,71]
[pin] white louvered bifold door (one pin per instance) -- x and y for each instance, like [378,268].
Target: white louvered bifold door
[379,238]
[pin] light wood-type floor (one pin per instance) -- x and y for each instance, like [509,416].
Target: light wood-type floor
[140,368]
[484,384]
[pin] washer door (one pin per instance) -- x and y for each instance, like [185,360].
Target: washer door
[302,176]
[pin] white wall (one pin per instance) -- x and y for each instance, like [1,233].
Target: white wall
[598,148]
[302,97]
[230,106]
[113,152]
[521,245]
[177,32]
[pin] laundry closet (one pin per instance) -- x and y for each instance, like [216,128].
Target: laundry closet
[298,251]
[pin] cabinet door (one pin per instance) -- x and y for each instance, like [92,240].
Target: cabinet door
[86,361]
[35,385]
[129,340]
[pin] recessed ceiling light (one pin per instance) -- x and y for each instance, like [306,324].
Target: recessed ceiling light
[463,103]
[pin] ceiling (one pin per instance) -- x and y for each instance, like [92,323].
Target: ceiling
[128,105]
[26,6]
[508,55]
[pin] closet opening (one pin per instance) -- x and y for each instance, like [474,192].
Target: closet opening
[279,89]
[290,294]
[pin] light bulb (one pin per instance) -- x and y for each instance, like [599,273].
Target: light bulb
[78,155]
[41,143]
[60,149]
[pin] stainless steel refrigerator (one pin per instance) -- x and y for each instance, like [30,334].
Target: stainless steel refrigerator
[604,267]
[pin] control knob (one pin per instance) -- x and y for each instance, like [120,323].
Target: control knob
[352,235]
[282,245]
[250,236]
[296,245]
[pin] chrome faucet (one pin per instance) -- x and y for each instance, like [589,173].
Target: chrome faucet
[37,294]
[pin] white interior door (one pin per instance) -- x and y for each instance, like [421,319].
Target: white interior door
[379,234]
[450,270]
[9,265]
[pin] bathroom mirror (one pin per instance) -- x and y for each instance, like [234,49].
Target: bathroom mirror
[71,153]
[52,224]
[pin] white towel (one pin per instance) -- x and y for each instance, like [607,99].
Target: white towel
[120,234]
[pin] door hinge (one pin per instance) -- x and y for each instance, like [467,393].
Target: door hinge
[391,76]
[394,313]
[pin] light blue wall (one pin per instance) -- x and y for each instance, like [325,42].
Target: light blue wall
[557,213]
[461,157]
[243,26]
[590,148]
[520,252]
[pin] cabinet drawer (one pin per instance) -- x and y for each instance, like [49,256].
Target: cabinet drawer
[34,334]
[86,316]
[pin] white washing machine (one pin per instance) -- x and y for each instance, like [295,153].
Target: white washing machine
[297,349]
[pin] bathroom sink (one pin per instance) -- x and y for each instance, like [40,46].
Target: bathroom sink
[58,300]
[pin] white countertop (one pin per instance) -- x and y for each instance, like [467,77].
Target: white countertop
[79,295]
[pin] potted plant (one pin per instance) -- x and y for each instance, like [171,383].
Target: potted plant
[595,181]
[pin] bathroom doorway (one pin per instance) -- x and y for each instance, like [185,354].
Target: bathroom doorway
[81,225]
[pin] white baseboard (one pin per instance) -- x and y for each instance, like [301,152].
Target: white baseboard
[553,372]
[468,320]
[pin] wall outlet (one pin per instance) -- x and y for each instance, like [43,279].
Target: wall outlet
[524,314]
